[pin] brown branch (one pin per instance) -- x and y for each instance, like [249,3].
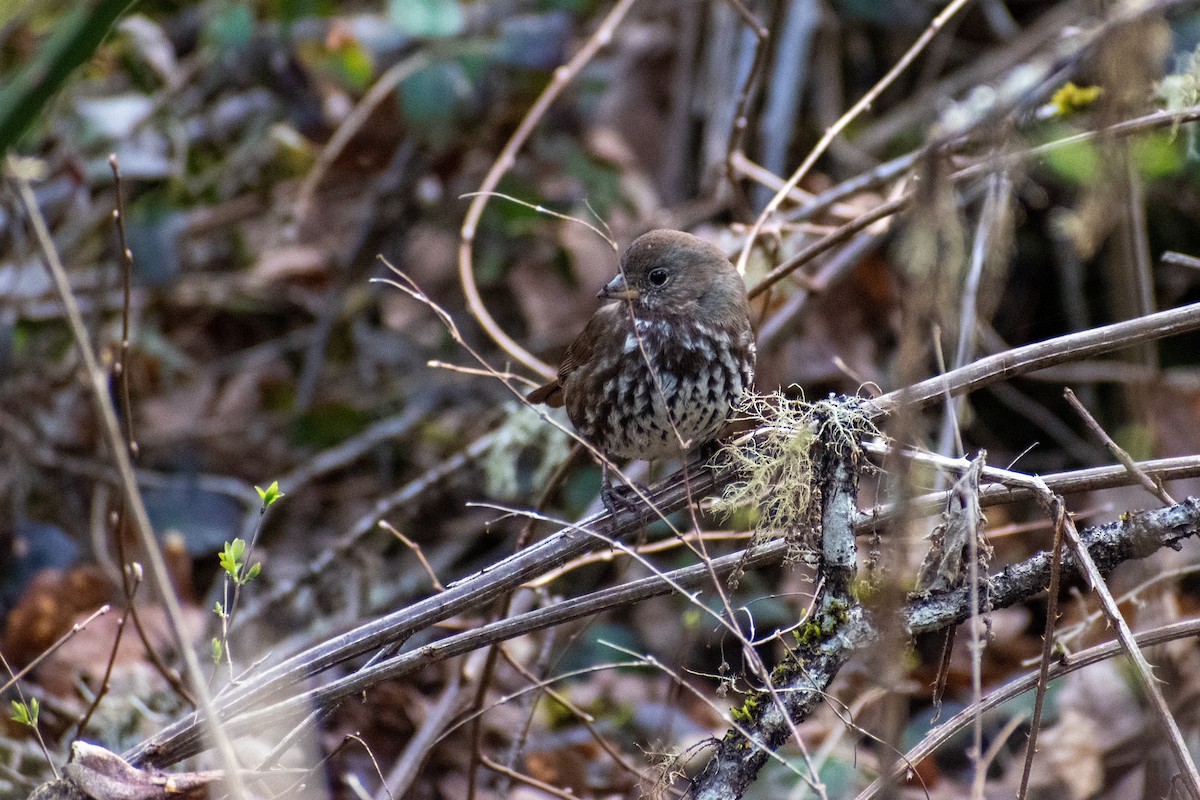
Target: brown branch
[1003,694]
[894,169]
[836,129]
[184,738]
[1032,357]
[1118,452]
[503,163]
[1150,684]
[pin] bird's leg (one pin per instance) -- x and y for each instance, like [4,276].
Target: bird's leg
[609,495]
[706,451]
[615,497]
[701,456]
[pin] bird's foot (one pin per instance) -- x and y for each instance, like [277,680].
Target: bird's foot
[615,498]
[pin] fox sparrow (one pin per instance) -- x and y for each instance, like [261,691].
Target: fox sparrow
[656,373]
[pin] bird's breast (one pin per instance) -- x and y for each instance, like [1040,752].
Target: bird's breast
[669,386]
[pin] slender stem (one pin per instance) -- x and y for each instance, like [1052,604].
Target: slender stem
[836,129]
[111,429]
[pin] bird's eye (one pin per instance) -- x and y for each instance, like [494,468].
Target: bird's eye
[658,277]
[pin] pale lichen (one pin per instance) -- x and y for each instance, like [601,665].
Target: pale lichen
[524,454]
[777,472]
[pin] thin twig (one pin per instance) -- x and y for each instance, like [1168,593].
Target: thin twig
[826,199]
[893,169]
[130,575]
[374,762]
[1031,357]
[111,429]
[836,129]
[404,771]
[1119,453]
[1180,260]
[831,240]
[503,163]
[1054,505]
[585,719]
[1015,688]
[121,367]
[392,77]
[974,532]
[998,743]
[108,668]
[406,284]
[1074,632]
[1179,746]
[75,629]
[182,738]
[416,551]
[30,714]
[740,123]
[537,208]
[521,777]
[368,522]
[1043,683]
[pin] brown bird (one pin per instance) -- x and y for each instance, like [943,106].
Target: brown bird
[656,373]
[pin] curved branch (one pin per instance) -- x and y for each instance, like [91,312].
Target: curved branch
[503,163]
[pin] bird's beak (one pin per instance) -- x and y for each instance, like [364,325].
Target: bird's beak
[618,289]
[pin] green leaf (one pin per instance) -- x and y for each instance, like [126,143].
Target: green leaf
[295,10]
[232,28]
[327,425]
[1077,163]
[427,19]
[252,573]
[270,494]
[217,650]
[26,714]
[219,609]
[350,64]
[77,34]
[1157,155]
[231,557]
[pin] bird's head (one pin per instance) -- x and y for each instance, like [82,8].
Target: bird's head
[669,272]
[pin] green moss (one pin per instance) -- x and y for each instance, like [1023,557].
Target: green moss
[839,611]
[749,709]
[864,589]
[810,633]
[823,624]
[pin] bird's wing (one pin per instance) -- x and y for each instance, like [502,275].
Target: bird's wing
[579,352]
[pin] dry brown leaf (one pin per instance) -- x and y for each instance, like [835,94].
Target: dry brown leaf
[52,602]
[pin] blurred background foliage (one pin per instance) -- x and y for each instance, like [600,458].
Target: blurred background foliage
[260,351]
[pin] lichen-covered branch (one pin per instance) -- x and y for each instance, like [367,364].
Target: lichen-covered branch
[837,628]
[840,627]
[1136,535]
